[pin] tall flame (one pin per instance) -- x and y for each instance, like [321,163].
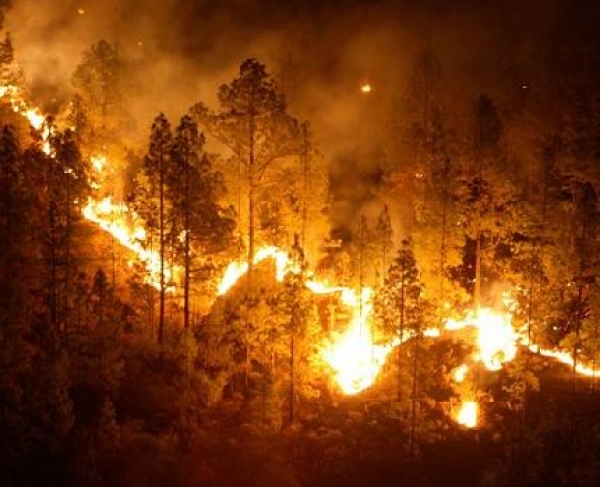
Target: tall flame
[354,356]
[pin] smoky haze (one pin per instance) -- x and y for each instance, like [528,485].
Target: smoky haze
[189,48]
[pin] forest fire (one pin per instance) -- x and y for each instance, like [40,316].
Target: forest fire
[349,244]
[354,356]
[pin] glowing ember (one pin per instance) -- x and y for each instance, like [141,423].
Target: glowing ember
[366,88]
[468,414]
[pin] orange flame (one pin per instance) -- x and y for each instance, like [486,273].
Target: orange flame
[118,220]
[235,270]
[468,414]
[354,357]
[496,337]
[33,115]
[460,373]
[567,359]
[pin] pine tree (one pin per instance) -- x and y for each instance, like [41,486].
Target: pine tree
[254,125]
[491,200]
[196,191]
[100,84]
[157,209]
[398,304]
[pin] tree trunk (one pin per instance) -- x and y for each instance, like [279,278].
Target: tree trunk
[186,277]
[292,372]
[161,229]
[304,183]
[251,224]
[479,162]
[67,256]
[53,269]
[413,422]
[402,313]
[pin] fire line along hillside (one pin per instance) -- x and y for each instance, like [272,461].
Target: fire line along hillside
[312,268]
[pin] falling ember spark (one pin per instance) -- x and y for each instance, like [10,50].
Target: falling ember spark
[468,414]
[366,88]
[80,11]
